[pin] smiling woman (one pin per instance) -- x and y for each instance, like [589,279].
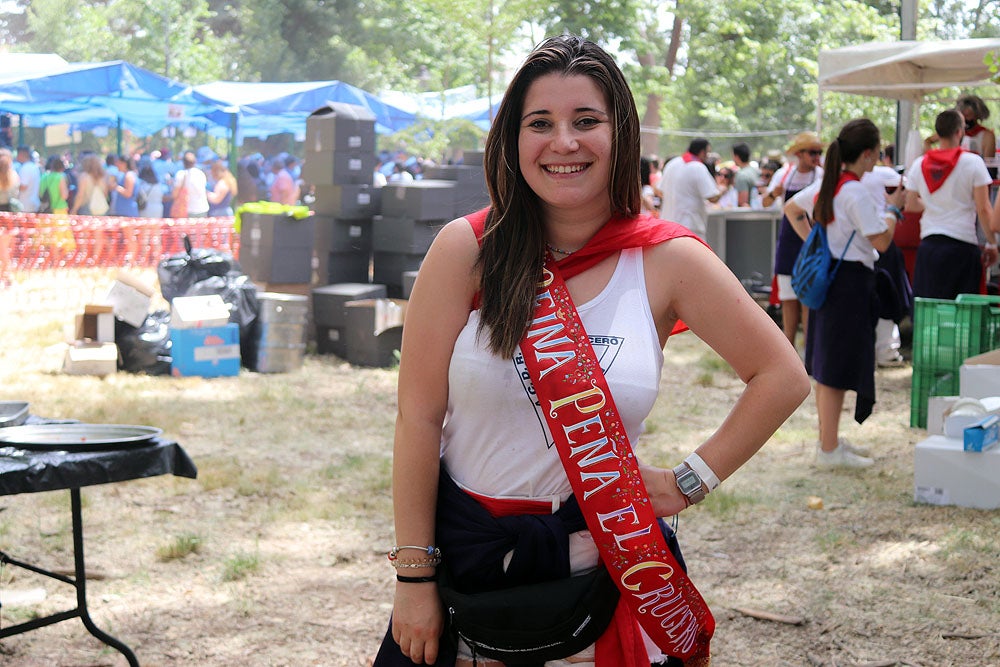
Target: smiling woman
[506,410]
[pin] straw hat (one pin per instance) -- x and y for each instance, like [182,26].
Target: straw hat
[804,141]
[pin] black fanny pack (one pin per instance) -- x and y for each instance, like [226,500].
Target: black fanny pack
[533,623]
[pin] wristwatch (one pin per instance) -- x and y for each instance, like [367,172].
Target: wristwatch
[689,482]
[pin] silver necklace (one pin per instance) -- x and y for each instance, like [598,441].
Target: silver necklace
[561,252]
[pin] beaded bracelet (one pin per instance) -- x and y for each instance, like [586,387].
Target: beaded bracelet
[432,551]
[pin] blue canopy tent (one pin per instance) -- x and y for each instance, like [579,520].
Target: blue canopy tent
[263,109]
[114,93]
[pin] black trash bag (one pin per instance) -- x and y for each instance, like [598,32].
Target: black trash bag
[145,349]
[179,272]
[240,294]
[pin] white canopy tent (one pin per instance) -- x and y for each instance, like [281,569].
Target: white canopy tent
[905,70]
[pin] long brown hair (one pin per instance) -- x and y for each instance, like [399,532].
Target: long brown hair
[513,245]
[6,169]
[854,139]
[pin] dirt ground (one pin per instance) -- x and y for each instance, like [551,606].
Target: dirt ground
[274,556]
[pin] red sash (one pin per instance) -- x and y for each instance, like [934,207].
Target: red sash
[595,451]
[938,164]
[690,157]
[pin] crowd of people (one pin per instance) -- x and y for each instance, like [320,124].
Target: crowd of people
[150,185]
[947,188]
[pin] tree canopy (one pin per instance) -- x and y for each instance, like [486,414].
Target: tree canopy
[739,67]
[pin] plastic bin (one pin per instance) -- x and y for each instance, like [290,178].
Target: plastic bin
[945,334]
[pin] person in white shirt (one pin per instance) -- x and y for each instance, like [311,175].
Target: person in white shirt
[687,186]
[194,182]
[31,176]
[951,186]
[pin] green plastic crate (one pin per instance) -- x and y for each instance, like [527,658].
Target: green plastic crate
[945,334]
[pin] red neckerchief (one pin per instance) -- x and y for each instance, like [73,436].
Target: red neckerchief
[594,449]
[617,234]
[845,176]
[690,157]
[937,165]
[974,130]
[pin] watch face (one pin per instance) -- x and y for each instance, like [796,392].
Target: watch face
[688,482]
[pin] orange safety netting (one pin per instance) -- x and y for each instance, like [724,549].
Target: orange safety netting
[30,241]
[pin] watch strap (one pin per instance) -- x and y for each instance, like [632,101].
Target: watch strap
[696,463]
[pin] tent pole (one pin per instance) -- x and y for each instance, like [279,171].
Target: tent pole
[20,129]
[233,126]
[819,112]
[905,108]
[118,140]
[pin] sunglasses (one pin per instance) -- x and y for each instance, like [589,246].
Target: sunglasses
[815,152]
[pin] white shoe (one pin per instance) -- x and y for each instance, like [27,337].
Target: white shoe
[895,361]
[852,448]
[841,457]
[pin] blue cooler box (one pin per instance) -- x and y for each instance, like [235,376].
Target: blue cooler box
[206,351]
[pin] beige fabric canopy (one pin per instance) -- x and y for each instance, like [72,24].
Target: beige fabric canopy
[906,70]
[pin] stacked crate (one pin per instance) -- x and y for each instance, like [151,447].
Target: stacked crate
[340,163]
[945,334]
[412,214]
[330,313]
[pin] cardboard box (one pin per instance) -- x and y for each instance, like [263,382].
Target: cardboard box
[192,312]
[427,199]
[338,126]
[329,301]
[374,331]
[348,201]
[206,351]
[979,376]
[937,410]
[339,168]
[409,278]
[91,359]
[983,435]
[345,267]
[130,298]
[335,234]
[404,235]
[96,323]
[302,289]
[277,248]
[945,474]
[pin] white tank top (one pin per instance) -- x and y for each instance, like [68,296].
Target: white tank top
[496,441]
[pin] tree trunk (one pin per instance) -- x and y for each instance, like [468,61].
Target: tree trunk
[651,115]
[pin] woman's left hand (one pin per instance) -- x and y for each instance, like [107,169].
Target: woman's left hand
[666,498]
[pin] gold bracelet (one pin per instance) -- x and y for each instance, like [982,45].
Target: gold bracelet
[432,562]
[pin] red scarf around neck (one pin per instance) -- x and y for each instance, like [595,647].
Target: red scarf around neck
[617,234]
[845,177]
[937,165]
[690,157]
[974,130]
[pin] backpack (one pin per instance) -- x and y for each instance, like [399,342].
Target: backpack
[812,274]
